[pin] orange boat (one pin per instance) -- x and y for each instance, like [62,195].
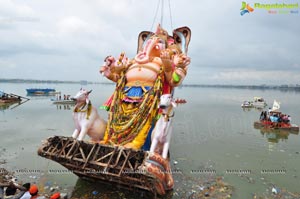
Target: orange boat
[276,125]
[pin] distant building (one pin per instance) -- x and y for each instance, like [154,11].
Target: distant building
[83,82]
[284,86]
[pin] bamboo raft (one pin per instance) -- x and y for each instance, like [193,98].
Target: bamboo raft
[93,161]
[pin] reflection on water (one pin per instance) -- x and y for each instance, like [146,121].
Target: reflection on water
[92,189]
[3,107]
[276,135]
[40,97]
[252,108]
[185,187]
[11,105]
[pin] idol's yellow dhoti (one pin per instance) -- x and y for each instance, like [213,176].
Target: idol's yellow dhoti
[130,120]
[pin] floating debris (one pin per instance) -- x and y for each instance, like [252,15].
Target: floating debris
[5,176]
[275,191]
[95,192]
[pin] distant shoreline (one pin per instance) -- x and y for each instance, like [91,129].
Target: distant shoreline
[260,87]
[34,81]
[284,87]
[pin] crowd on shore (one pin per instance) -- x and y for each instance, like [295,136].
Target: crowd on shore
[13,190]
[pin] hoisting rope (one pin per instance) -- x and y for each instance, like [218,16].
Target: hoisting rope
[156,12]
[162,13]
[170,11]
[161,3]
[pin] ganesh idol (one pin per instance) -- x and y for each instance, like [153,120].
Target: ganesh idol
[160,65]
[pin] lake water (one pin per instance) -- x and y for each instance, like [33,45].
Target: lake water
[211,132]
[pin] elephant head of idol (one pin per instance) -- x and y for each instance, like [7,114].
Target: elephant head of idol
[151,44]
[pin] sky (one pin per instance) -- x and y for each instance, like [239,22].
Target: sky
[69,39]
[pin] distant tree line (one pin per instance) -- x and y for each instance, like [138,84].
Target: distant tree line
[47,81]
[261,87]
[83,82]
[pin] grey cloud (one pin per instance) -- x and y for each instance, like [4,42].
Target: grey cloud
[223,45]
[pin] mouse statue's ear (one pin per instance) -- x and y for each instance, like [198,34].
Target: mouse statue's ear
[143,37]
[182,38]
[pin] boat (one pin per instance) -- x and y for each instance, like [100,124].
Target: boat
[41,91]
[247,104]
[275,119]
[55,101]
[259,102]
[276,125]
[62,100]
[10,100]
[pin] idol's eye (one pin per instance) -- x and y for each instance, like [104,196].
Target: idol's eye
[174,52]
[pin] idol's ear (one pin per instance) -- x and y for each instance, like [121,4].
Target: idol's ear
[143,37]
[182,37]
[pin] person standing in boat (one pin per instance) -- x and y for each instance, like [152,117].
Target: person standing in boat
[261,117]
[289,119]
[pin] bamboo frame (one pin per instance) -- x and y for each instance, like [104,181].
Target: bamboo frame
[105,163]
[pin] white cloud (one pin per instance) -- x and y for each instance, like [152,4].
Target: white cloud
[10,8]
[6,64]
[72,25]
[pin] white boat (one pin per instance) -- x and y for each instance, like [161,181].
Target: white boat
[259,102]
[247,104]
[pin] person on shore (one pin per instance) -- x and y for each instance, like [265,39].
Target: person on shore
[26,195]
[289,119]
[55,196]
[34,193]
[11,191]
